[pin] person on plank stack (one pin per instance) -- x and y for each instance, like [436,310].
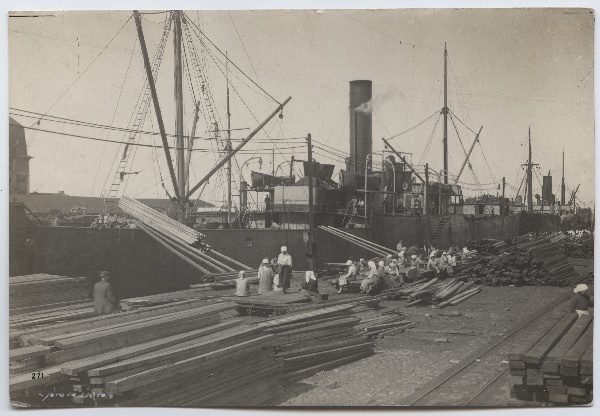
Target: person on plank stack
[581,302]
[399,247]
[350,275]
[105,301]
[371,279]
[242,285]
[388,260]
[265,275]
[401,259]
[310,287]
[285,269]
[362,267]
[432,264]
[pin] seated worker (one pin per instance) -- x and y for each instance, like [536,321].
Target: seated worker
[350,275]
[394,273]
[432,264]
[371,279]
[242,285]
[362,267]
[401,259]
[310,287]
[381,268]
[581,302]
[413,261]
[388,260]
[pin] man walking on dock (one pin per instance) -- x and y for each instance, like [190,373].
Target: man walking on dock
[285,265]
[105,301]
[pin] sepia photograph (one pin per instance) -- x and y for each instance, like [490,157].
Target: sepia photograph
[301,208]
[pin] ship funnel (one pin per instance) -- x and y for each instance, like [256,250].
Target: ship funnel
[361,125]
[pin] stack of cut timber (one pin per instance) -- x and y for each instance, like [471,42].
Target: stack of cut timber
[488,245]
[317,340]
[42,289]
[554,360]
[159,221]
[378,323]
[68,311]
[579,246]
[535,263]
[184,358]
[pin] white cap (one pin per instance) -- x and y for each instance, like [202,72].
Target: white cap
[414,256]
[283,248]
[372,264]
[580,288]
[381,263]
[389,256]
[362,259]
[242,273]
[265,260]
[444,253]
[349,263]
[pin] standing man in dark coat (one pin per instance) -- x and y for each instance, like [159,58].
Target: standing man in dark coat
[105,301]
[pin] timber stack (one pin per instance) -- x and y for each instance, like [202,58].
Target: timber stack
[434,292]
[34,292]
[318,339]
[535,263]
[554,362]
[162,355]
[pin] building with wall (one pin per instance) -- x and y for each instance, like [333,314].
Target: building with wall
[18,159]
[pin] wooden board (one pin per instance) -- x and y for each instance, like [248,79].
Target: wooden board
[567,341]
[78,366]
[549,340]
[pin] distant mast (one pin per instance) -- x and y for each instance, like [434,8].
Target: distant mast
[445,111]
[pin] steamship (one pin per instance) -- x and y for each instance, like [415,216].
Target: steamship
[379,196]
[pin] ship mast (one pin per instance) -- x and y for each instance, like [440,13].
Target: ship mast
[180,155]
[562,186]
[445,111]
[228,144]
[530,178]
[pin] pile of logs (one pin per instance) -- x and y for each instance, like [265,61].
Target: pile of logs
[534,263]
[317,340]
[433,292]
[555,360]
[33,292]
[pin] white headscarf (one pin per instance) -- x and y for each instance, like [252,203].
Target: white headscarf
[580,288]
[381,263]
[283,248]
[349,263]
[242,274]
[309,276]
[372,265]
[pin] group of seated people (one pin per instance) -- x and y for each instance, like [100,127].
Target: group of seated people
[392,270]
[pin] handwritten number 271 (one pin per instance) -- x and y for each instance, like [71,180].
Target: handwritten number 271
[37,375]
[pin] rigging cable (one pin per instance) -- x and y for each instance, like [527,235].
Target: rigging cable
[80,75]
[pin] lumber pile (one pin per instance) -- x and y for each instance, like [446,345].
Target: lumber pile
[433,292]
[375,323]
[554,361]
[177,355]
[316,340]
[579,246]
[534,263]
[488,245]
[31,292]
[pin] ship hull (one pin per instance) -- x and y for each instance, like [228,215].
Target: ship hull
[142,267]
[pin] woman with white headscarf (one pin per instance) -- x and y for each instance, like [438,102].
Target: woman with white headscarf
[265,275]
[581,302]
[350,275]
[310,286]
[242,285]
[371,279]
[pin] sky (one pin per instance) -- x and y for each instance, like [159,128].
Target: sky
[508,71]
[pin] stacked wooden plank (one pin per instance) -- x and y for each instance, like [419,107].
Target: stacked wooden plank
[488,245]
[316,340]
[153,357]
[554,360]
[159,221]
[33,291]
[540,262]
[579,246]
[379,323]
